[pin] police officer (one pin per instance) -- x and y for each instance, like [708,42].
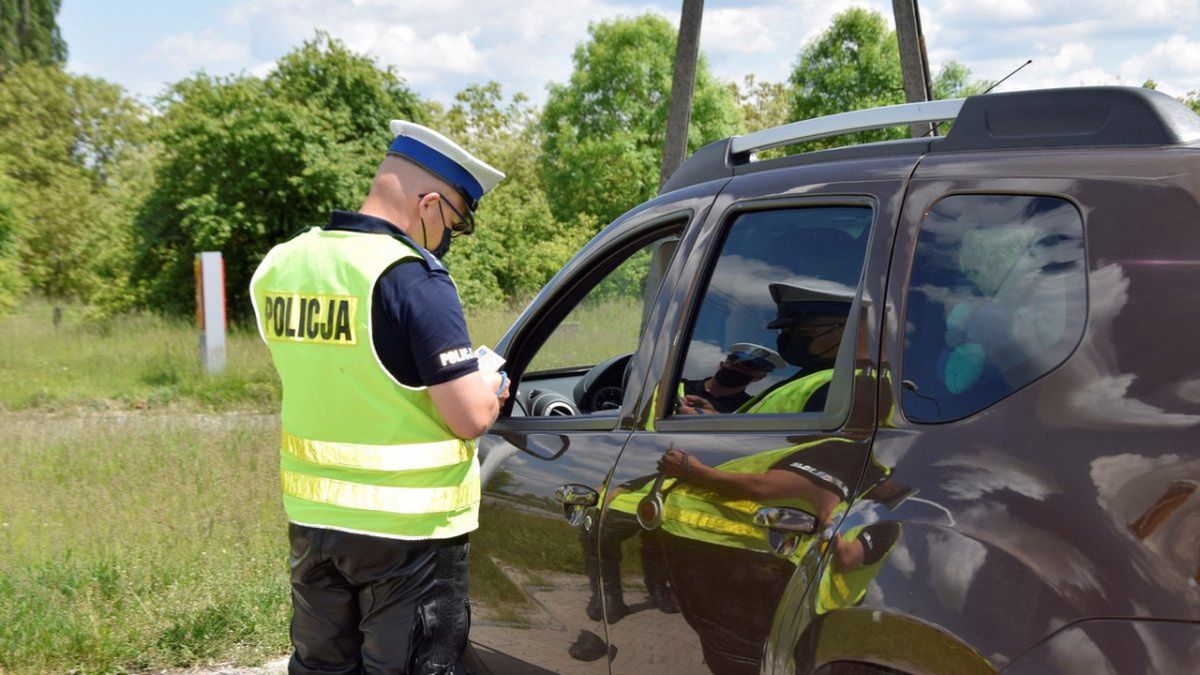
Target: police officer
[811,323]
[381,396]
[725,390]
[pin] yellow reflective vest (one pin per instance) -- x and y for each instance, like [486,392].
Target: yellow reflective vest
[360,451]
[704,515]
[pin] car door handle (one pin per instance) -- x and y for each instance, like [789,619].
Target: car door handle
[785,527]
[576,501]
[574,494]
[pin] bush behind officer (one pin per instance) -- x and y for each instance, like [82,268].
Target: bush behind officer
[381,394]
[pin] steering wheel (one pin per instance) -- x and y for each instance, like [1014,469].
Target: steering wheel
[602,387]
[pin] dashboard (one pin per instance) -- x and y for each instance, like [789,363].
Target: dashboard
[573,391]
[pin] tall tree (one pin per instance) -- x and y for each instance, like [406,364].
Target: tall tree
[519,244]
[247,162]
[604,130]
[764,104]
[29,32]
[65,139]
[12,281]
[855,64]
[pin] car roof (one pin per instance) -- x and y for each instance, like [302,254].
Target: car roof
[1072,117]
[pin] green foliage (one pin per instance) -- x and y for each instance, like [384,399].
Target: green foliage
[954,81]
[1193,100]
[245,163]
[604,130]
[71,145]
[29,33]
[763,104]
[519,244]
[12,282]
[854,64]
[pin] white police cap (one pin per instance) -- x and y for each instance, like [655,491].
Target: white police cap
[444,158]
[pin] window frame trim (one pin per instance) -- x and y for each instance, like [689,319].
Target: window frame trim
[697,291]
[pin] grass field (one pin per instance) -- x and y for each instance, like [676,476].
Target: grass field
[140,522]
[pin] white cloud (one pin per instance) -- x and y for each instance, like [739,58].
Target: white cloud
[441,47]
[741,31]
[1174,63]
[193,51]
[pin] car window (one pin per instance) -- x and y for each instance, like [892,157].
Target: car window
[997,298]
[774,314]
[609,320]
[581,366]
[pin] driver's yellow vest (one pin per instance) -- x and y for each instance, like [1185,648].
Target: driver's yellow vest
[360,452]
[789,398]
[703,515]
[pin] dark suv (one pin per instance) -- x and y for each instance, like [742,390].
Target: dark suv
[917,406]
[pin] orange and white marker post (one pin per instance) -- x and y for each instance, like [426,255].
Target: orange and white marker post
[210,309]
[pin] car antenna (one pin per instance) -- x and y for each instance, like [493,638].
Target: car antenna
[997,84]
[933,127]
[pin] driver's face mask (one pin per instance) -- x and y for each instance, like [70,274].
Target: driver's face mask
[796,348]
[728,377]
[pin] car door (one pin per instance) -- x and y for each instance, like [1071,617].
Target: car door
[573,355]
[702,556]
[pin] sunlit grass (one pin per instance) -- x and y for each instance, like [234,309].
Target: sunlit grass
[133,361]
[140,541]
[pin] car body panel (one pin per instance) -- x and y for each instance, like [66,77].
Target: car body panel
[1071,497]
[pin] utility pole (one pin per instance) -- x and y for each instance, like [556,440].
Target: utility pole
[683,82]
[913,63]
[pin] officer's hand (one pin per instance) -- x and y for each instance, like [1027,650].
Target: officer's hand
[498,384]
[695,405]
[678,464]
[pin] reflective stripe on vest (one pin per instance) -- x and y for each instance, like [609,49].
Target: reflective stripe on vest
[393,499]
[703,515]
[406,457]
[359,451]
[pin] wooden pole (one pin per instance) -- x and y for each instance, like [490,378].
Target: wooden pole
[917,87]
[683,82]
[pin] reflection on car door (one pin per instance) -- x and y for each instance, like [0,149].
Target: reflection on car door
[755,428]
[535,584]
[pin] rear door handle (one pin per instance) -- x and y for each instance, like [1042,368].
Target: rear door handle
[576,499]
[785,527]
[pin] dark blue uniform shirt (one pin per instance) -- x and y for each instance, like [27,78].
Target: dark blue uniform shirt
[418,327]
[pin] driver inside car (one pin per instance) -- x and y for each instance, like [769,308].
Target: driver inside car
[725,390]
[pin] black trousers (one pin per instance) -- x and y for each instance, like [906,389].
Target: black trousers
[364,604]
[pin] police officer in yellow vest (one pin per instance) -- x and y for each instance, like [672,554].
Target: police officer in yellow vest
[382,396]
[810,322]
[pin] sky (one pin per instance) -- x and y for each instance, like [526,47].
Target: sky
[442,46]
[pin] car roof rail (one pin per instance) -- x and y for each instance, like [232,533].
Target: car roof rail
[845,123]
[1109,116]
